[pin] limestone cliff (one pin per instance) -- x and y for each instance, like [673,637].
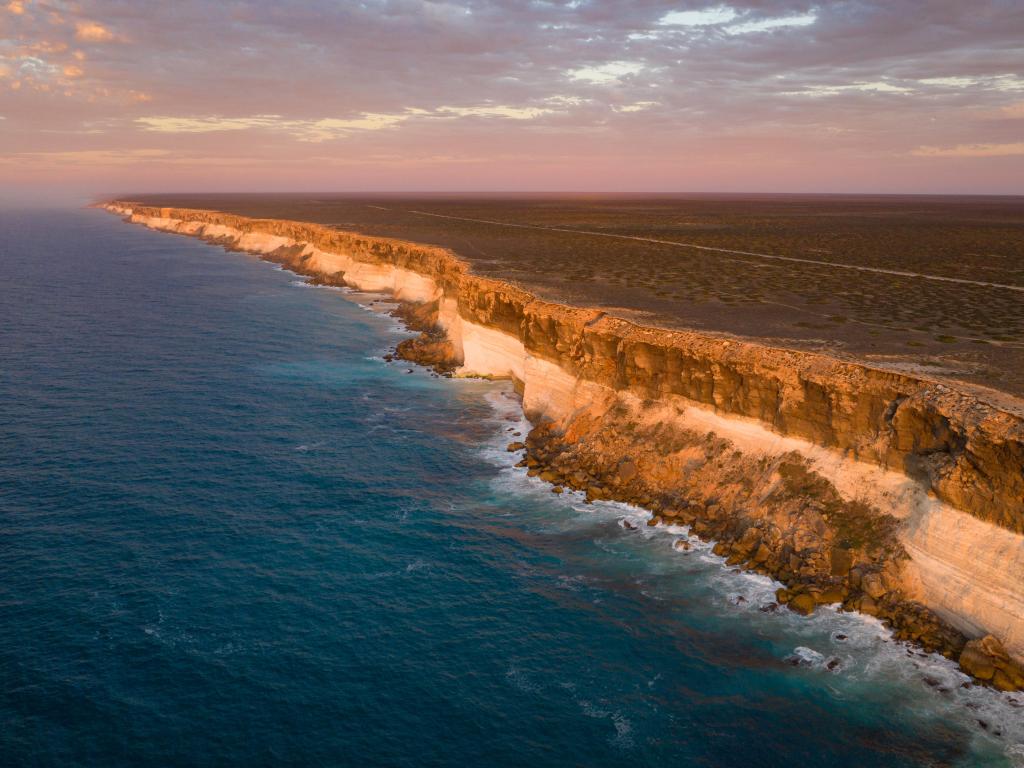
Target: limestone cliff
[936,475]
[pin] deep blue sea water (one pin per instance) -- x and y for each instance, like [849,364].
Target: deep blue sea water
[230,534]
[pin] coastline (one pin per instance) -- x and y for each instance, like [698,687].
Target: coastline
[925,511]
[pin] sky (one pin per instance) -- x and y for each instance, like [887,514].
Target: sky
[104,97]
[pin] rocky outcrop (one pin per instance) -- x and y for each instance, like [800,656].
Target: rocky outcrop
[986,659]
[884,492]
[768,512]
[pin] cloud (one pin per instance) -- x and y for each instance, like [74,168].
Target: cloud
[764,25]
[638,106]
[603,74]
[879,86]
[332,128]
[1008,82]
[972,150]
[510,113]
[167,124]
[326,128]
[720,15]
[92,32]
[701,18]
[1003,82]
[949,82]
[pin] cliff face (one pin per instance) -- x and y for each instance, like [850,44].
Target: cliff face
[947,467]
[969,454]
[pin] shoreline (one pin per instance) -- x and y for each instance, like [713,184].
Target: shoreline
[732,439]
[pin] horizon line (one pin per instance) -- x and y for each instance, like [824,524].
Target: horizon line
[555,193]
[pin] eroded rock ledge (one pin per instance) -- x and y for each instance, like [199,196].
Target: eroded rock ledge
[885,492]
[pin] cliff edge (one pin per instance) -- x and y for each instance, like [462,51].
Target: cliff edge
[881,491]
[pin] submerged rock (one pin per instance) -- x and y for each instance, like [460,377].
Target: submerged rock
[804,657]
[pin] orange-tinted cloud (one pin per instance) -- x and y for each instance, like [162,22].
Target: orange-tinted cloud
[92,32]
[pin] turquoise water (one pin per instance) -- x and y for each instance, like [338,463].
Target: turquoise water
[231,534]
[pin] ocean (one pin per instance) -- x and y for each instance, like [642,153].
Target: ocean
[232,534]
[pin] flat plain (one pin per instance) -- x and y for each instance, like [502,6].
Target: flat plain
[927,284]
